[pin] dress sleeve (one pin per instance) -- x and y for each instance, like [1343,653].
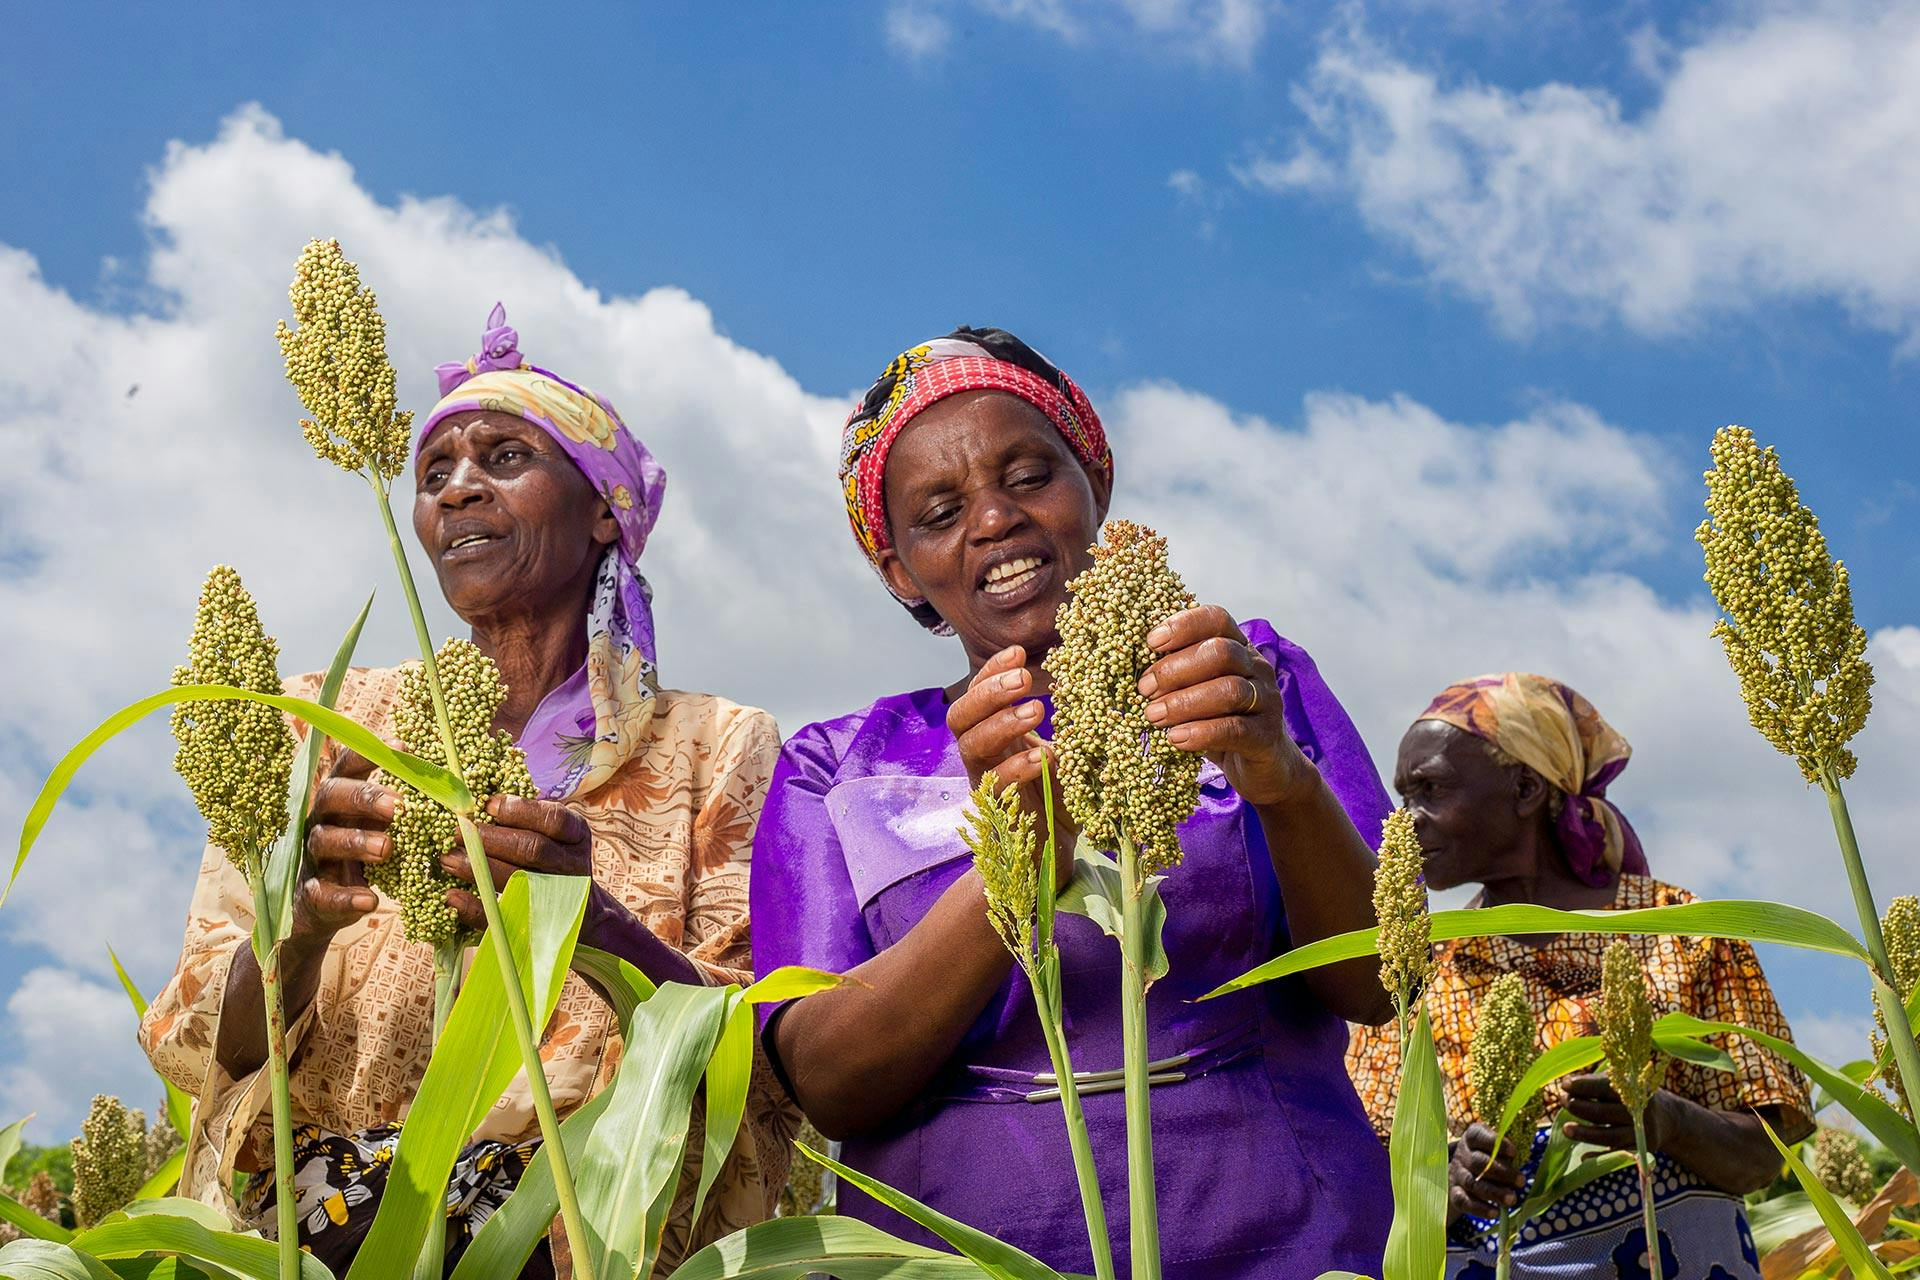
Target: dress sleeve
[1730,987]
[716,934]
[1324,731]
[181,1024]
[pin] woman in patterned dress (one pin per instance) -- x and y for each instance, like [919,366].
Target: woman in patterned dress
[1506,778]
[533,502]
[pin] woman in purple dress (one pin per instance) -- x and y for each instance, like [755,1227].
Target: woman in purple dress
[977,476]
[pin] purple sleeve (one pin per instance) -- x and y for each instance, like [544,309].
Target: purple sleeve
[803,907]
[1323,729]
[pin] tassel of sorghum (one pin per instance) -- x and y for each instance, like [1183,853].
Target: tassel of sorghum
[1116,770]
[42,1196]
[1841,1165]
[109,1159]
[1900,926]
[1001,834]
[235,756]
[1400,905]
[423,829]
[1626,1028]
[1505,1044]
[337,361]
[1789,631]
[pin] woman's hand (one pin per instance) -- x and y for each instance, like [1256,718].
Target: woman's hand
[346,830]
[525,835]
[1481,1181]
[1214,695]
[993,723]
[1600,1118]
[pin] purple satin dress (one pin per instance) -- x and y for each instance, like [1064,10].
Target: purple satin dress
[1266,1165]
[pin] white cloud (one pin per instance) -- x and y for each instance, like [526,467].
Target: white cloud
[918,30]
[1780,161]
[1402,548]
[68,1039]
[1208,31]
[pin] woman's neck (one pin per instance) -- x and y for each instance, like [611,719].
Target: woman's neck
[535,655]
[1547,881]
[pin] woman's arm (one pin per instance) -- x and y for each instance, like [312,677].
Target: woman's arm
[1729,1149]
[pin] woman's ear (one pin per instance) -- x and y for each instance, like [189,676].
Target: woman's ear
[606,530]
[894,570]
[1530,792]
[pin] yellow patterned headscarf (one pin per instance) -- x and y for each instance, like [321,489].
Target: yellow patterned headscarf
[1557,733]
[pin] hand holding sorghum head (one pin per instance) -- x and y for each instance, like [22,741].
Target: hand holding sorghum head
[994,724]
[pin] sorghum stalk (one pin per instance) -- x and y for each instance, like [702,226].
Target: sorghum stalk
[1143,1211]
[1634,1067]
[432,1264]
[337,361]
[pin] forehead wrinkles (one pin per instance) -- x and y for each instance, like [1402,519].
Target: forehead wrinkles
[963,450]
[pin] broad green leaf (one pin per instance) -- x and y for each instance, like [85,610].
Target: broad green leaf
[1776,1221]
[627,1172]
[1096,891]
[29,1223]
[508,1237]
[273,912]
[790,982]
[1689,1049]
[148,1267]
[623,985]
[475,1059]
[172,1206]
[166,1177]
[793,1248]
[32,1259]
[436,781]
[1417,1164]
[728,1074]
[10,1143]
[1865,1105]
[244,1255]
[1731,918]
[1563,1059]
[1845,1235]
[995,1257]
[179,1105]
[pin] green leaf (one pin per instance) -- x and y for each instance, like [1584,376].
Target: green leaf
[280,877]
[1845,1235]
[32,1259]
[29,1223]
[436,781]
[627,1173]
[1780,1219]
[148,1267]
[1096,892]
[790,982]
[622,984]
[1417,1164]
[1563,1059]
[1690,1049]
[995,1257]
[1565,1167]
[171,1206]
[179,1105]
[1866,1105]
[10,1143]
[1732,918]
[474,1061]
[508,1237]
[166,1177]
[244,1255]
[793,1248]
[728,1074]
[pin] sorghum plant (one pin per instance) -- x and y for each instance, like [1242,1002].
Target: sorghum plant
[109,1159]
[1634,1067]
[1400,905]
[1901,929]
[1127,787]
[1505,1044]
[1841,1165]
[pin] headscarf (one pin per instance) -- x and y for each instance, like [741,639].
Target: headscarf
[965,360]
[1557,733]
[584,730]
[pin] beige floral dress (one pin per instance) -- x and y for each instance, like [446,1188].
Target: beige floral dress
[672,838]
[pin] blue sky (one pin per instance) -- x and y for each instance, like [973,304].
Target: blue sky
[1604,233]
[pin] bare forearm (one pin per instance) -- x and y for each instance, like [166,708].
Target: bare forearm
[1729,1149]
[860,1053]
[610,926]
[241,1044]
[1326,881]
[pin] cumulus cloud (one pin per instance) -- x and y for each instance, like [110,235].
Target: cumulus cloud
[1403,548]
[1209,31]
[69,1038]
[1779,160]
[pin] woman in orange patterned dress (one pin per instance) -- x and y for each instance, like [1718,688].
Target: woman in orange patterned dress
[1506,778]
[533,502]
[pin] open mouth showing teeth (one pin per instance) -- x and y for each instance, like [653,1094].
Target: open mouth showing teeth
[471,540]
[1012,575]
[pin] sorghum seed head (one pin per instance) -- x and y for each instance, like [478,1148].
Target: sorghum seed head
[1117,772]
[1900,927]
[1841,1165]
[1504,1047]
[1626,1028]
[109,1159]
[1788,627]
[1001,834]
[1400,905]
[337,361]
[235,756]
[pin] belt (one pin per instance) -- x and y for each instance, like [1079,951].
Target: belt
[977,1082]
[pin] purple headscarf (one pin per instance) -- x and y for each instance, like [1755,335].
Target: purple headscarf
[584,730]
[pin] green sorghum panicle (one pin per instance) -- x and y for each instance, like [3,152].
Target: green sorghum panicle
[1001,834]
[1400,905]
[1505,1043]
[1841,1165]
[1626,1028]
[1116,770]
[423,830]
[1788,628]
[235,756]
[109,1159]
[1900,927]
[337,361]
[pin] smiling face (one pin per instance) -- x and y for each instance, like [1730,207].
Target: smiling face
[512,526]
[1478,820]
[990,514]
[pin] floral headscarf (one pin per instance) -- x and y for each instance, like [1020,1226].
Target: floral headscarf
[965,360]
[584,730]
[1557,733]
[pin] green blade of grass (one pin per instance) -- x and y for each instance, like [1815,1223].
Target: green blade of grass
[29,1223]
[35,1259]
[1859,1258]
[1417,1164]
[793,1248]
[243,1255]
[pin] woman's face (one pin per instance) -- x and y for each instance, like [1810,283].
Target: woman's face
[990,514]
[1471,813]
[511,525]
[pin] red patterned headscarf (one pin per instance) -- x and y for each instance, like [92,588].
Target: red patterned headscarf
[1557,733]
[965,360]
